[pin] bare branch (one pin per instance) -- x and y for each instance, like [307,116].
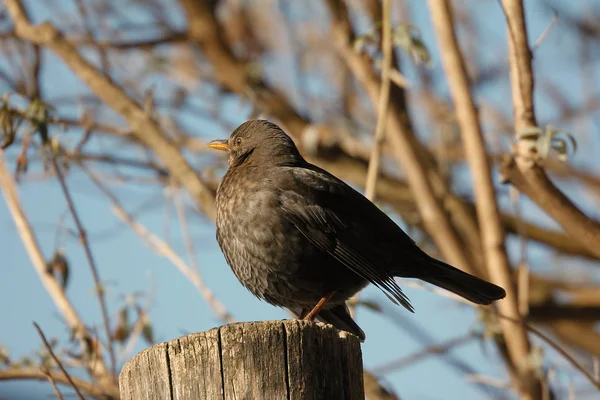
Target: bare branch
[492,233]
[536,185]
[35,254]
[382,104]
[435,349]
[405,148]
[145,129]
[232,73]
[163,249]
[108,392]
[556,346]
[57,361]
[520,55]
[53,383]
[99,288]
[552,344]
[528,176]
[374,390]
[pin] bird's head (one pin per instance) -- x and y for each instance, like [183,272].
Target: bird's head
[258,142]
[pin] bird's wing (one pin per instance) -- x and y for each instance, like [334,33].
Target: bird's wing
[328,213]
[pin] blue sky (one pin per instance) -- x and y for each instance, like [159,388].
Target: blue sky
[128,265]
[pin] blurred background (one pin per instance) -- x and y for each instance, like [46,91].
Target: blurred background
[115,113]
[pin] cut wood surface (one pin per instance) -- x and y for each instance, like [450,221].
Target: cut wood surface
[289,359]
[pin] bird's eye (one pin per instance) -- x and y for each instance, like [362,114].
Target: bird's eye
[238,141]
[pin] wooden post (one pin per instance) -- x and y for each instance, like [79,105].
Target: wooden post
[289,359]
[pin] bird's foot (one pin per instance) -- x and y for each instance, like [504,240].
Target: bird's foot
[316,309]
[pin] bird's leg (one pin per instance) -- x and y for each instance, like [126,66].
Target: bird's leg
[315,311]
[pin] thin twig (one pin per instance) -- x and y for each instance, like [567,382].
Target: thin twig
[102,391]
[552,344]
[34,251]
[382,110]
[57,361]
[135,334]
[89,35]
[407,151]
[526,325]
[162,248]
[488,380]
[383,102]
[138,327]
[99,288]
[546,31]
[144,128]
[530,177]
[53,383]
[187,239]
[421,336]
[434,349]
[535,184]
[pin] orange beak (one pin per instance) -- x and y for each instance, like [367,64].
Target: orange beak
[219,145]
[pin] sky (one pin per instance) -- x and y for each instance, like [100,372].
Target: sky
[128,266]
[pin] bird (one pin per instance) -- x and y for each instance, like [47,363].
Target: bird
[299,238]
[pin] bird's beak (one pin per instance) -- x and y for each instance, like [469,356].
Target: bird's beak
[219,145]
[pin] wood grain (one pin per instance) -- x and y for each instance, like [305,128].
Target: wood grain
[254,360]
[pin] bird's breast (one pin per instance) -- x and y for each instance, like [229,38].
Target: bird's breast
[267,253]
[251,232]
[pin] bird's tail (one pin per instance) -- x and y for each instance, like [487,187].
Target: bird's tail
[338,316]
[465,285]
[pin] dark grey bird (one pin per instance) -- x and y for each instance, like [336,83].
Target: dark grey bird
[298,237]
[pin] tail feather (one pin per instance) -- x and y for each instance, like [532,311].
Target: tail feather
[465,285]
[338,316]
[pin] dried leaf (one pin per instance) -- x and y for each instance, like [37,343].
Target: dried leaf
[58,267]
[542,142]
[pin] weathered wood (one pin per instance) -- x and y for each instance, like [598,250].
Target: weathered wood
[256,360]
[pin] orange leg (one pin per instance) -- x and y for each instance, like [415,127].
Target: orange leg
[315,311]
